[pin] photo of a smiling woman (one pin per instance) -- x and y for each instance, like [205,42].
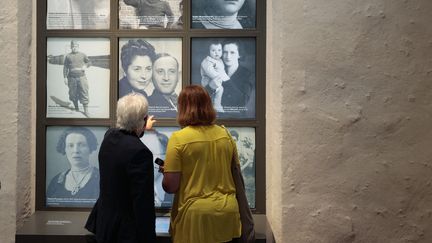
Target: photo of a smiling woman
[152,67]
[137,58]
[77,185]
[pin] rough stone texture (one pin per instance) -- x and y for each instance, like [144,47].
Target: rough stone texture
[9,119]
[348,120]
[15,122]
[274,117]
[355,155]
[26,111]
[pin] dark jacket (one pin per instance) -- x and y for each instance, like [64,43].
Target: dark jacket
[125,210]
[238,90]
[161,107]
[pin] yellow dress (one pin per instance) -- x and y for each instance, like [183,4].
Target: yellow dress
[205,208]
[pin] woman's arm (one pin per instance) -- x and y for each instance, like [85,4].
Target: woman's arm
[150,122]
[208,67]
[171,181]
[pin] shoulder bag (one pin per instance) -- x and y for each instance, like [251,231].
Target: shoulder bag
[248,231]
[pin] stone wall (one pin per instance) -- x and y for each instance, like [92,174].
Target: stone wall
[352,159]
[348,120]
[16,109]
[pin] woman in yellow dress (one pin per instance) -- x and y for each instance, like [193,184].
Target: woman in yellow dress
[198,170]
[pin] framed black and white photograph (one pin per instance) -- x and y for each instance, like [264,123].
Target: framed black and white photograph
[245,141]
[151,14]
[226,68]
[152,67]
[72,174]
[78,77]
[157,142]
[78,14]
[223,14]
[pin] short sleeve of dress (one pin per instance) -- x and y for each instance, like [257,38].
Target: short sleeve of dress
[173,155]
[235,151]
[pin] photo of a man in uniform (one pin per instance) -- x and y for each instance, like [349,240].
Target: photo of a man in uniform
[74,67]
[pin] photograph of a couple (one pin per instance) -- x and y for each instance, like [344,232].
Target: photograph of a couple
[78,77]
[152,67]
[226,68]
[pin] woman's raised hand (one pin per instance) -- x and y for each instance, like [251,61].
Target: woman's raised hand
[150,122]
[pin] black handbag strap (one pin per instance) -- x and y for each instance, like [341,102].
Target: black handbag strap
[246,218]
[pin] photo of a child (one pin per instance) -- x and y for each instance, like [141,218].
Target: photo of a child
[213,69]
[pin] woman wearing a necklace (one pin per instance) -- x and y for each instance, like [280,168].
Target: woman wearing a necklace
[222,14]
[79,185]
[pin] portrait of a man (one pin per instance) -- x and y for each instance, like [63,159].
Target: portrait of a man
[151,14]
[163,101]
[78,77]
[74,67]
[78,14]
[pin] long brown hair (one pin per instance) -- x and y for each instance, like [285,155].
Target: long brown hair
[195,107]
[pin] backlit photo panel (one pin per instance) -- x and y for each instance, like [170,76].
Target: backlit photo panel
[72,174]
[78,14]
[245,141]
[222,14]
[226,68]
[157,142]
[152,67]
[78,77]
[145,14]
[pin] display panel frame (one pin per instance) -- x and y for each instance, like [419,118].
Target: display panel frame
[144,15]
[114,34]
[219,14]
[72,168]
[166,71]
[228,74]
[78,77]
[78,15]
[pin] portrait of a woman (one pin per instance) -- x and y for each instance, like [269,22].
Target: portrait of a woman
[238,90]
[137,58]
[79,184]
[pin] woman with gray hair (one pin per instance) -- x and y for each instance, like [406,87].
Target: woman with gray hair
[125,210]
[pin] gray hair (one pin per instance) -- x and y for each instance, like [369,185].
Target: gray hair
[131,111]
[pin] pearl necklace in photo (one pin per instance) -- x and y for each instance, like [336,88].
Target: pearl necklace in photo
[77,186]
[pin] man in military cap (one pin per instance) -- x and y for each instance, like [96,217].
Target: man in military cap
[75,64]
